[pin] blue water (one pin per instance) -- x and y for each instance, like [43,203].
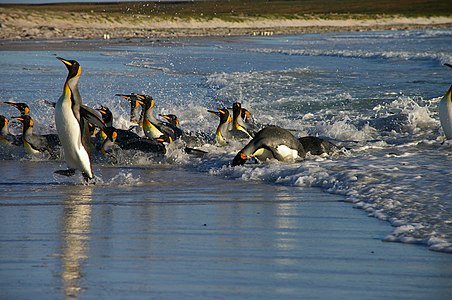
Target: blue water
[375,93]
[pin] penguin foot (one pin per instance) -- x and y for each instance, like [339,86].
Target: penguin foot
[88,180]
[67,172]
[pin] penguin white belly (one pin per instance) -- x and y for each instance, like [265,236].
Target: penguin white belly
[445,115]
[287,153]
[263,154]
[70,137]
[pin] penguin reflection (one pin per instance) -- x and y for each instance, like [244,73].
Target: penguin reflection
[75,235]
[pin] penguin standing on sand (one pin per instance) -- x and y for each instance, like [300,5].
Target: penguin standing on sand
[71,120]
[271,142]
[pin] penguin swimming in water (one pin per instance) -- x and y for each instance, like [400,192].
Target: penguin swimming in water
[122,136]
[271,142]
[240,129]
[6,138]
[71,120]
[445,112]
[317,146]
[153,128]
[173,122]
[135,104]
[223,132]
[34,144]
[125,139]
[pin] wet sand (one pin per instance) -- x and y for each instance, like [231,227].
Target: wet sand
[160,233]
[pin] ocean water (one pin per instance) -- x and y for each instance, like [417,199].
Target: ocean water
[375,93]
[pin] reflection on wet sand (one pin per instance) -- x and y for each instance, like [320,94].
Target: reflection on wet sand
[75,234]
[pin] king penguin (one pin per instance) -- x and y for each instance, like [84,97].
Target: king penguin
[135,104]
[122,136]
[153,128]
[71,121]
[37,143]
[223,132]
[240,129]
[271,142]
[445,112]
[6,138]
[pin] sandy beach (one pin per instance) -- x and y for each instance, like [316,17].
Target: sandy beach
[29,24]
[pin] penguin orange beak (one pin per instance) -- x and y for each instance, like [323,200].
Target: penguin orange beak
[239,159]
[127,97]
[18,118]
[64,61]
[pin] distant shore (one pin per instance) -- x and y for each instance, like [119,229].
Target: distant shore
[27,24]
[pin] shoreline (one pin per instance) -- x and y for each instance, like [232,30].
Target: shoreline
[19,24]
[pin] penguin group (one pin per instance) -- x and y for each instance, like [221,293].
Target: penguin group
[32,143]
[83,130]
[268,142]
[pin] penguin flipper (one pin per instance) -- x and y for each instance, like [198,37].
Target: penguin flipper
[194,151]
[92,116]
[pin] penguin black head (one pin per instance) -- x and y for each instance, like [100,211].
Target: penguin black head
[237,108]
[172,119]
[111,133]
[224,115]
[164,139]
[26,120]
[72,66]
[239,159]
[3,122]
[246,115]
[107,115]
[145,101]
[22,107]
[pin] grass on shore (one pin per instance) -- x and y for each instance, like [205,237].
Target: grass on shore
[255,8]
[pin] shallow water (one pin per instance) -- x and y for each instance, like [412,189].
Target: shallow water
[165,232]
[375,93]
